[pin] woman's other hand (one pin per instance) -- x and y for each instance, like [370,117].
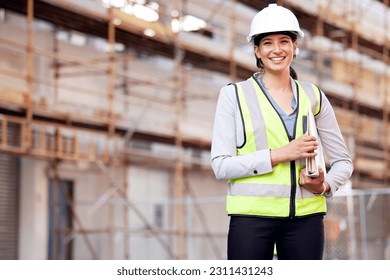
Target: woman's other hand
[313,185]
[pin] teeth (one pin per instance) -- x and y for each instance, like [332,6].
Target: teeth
[276,58]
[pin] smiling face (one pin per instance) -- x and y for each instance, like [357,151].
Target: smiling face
[276,52]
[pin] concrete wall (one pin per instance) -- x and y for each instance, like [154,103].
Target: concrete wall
[33,230]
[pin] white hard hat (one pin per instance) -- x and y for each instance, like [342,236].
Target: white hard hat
[274,18]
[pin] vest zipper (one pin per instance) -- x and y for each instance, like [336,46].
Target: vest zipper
[293,189]
[293,167]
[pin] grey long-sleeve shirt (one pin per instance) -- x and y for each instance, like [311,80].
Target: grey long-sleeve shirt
[228,134]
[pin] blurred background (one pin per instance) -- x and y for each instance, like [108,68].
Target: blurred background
[106,116]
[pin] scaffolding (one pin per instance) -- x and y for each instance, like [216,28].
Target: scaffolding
[105,138]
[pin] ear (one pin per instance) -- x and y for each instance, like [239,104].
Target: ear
[296,49]
[256,50]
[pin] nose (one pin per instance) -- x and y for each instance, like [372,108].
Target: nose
[276,48]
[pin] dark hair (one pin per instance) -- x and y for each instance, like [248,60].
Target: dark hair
[258,38]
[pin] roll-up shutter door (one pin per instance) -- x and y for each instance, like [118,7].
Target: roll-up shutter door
[9,206]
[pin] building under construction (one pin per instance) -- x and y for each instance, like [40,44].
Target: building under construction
[106,116]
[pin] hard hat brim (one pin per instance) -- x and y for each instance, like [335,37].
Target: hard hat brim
[299,33]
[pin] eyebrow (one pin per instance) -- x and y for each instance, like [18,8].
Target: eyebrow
[266,39]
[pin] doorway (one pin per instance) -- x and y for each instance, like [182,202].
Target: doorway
[60,220]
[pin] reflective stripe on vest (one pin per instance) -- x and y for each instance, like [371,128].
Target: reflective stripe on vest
[275,194]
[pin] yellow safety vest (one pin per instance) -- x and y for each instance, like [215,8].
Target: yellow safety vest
[275,194]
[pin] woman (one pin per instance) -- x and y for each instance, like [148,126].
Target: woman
[260,146]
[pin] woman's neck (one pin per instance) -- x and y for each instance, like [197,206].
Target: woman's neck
[279,87]
[276,82]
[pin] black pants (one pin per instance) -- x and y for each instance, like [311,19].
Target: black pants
[253,238]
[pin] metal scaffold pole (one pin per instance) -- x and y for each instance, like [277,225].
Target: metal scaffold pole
[111,79]
[111,114]
[386,83]
[356,122]
[233,19]
[29,75]
[319,32]
[126,216]
[178,191]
